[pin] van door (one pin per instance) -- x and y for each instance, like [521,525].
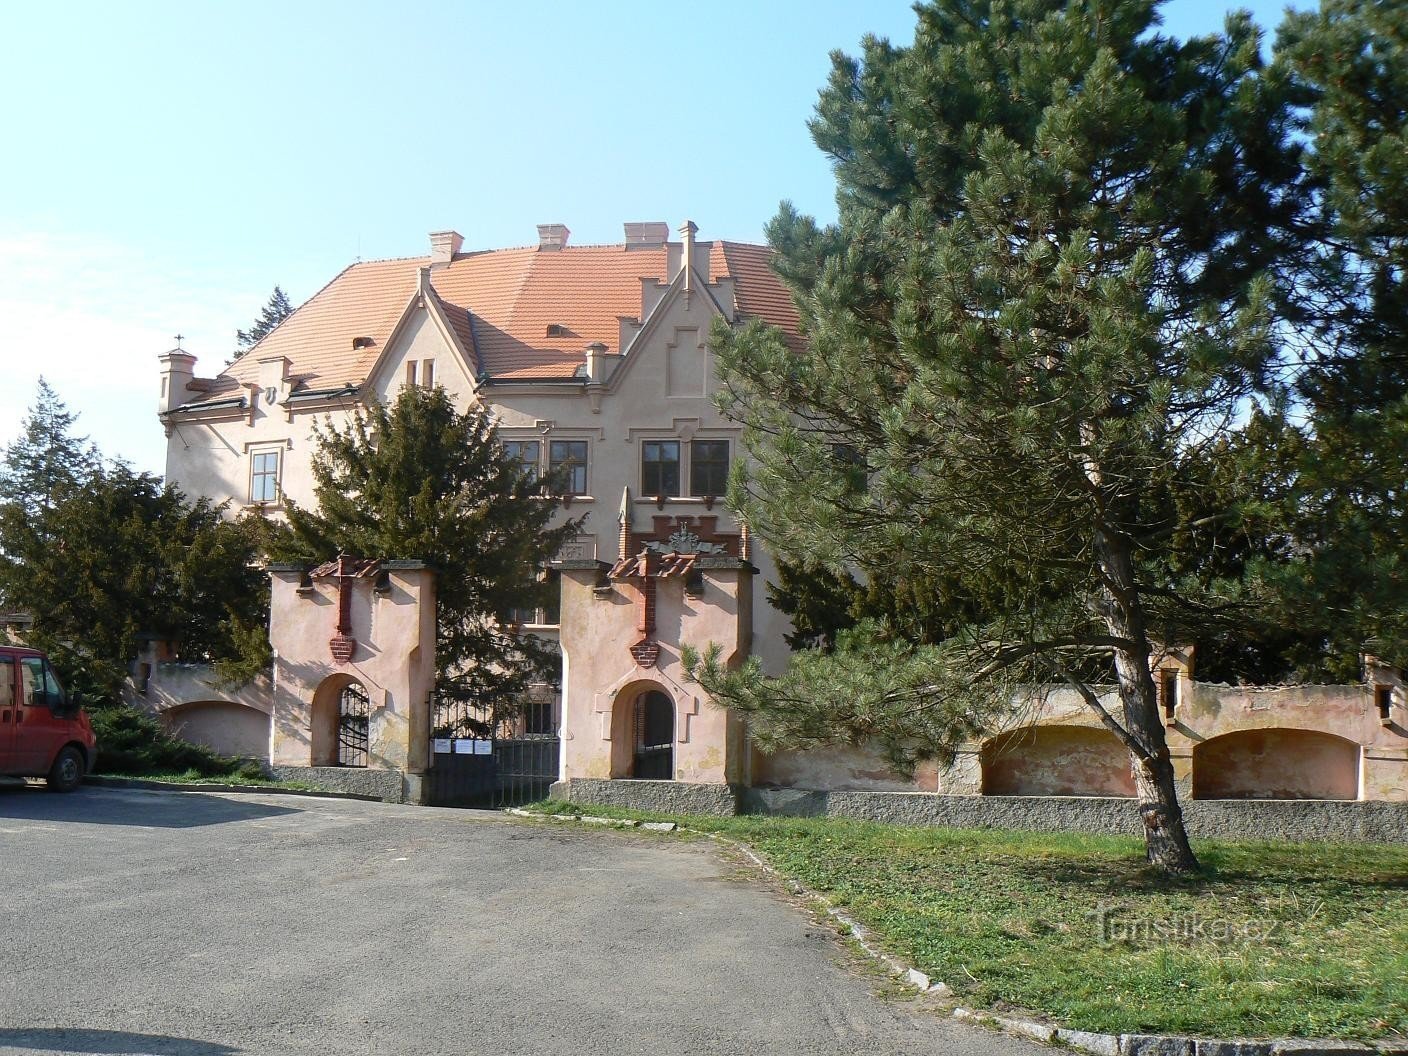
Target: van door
[39,731]
[8,762]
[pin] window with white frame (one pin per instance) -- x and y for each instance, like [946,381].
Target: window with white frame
[264,476]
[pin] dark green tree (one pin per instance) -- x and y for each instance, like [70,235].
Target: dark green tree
[274,312]
[1347,442]
[1049,294]
[118,555]
[47,456]
[419,480]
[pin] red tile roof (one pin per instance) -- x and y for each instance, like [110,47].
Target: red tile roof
[524,313]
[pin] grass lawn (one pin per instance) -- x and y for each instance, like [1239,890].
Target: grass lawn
[1275,940]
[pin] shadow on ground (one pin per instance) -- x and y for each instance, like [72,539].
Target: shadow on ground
[144,809]
[62,1040]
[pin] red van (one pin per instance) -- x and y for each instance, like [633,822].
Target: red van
[43,732]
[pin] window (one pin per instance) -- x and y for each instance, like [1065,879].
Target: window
[525,453]
[660,467]
[427,373]
[31,682]
[410,373]
[708,467]
[567,462]
[7,682]
[264,476]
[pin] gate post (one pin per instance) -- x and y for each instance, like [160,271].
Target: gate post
[353,622]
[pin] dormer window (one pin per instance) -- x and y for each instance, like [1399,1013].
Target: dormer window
[557,330]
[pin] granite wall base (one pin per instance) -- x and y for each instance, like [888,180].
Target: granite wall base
[390,786]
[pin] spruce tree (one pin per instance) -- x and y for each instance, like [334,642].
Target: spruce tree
[419,480]
[1046,297]
[47,456]
[274,312]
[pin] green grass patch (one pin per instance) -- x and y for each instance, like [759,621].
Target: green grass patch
[1274,940]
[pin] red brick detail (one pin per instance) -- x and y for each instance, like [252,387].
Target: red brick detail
[646,652]
[343,647]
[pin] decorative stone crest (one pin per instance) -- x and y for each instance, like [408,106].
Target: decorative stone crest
[684,541]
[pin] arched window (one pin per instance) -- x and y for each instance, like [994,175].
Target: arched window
[353,711]
[654,757]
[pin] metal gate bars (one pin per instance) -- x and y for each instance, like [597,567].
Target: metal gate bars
[494,757]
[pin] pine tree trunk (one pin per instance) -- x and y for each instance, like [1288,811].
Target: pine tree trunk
[1166,840]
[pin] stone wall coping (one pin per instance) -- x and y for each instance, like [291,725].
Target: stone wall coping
[580,564]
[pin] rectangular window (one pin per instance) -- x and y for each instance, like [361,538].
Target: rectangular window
[264,476]
[7,683]
[525,453]
[567,462]
[708,467]
[410,372]
[660,467]
[427,373]
[32,682]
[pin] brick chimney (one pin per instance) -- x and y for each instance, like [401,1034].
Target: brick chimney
[443,247]
[552,236]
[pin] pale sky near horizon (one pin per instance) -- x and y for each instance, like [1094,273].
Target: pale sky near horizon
[168,163]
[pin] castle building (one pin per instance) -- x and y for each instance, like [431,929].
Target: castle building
[595,362]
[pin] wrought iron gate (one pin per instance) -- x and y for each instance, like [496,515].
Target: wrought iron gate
[482,758]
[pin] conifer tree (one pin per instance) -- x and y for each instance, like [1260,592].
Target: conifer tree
[47,456]
[419,480]
[119,554]
[1046,297]
[274,312]
[1346,446]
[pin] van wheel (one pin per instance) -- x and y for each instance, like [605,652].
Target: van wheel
[67,772]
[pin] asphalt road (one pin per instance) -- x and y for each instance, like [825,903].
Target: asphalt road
[206,925]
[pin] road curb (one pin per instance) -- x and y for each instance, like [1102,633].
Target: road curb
[1092,1042]
[103,781]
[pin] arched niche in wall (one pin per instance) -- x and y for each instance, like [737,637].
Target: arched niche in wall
[1276,764]
[1056,761]
[224,726]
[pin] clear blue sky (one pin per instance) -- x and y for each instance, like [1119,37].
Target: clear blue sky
[168,163]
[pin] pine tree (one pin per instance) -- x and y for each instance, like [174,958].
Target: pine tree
[275,312]
[418,480]
[1347,443]
[1045,299]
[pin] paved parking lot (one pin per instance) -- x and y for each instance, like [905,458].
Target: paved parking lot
[200,924]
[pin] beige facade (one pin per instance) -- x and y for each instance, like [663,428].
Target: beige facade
[599,357]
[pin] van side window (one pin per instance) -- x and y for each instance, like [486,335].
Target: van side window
[7,682]
[32,683]
[52,690]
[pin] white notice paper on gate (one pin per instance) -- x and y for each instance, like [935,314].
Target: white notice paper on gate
[483,747]
[443,746]
[464,746]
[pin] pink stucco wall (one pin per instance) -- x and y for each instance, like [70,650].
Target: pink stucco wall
[1057,761]
[1276,764]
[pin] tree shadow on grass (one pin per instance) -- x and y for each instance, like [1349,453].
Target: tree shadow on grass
[77,1040]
